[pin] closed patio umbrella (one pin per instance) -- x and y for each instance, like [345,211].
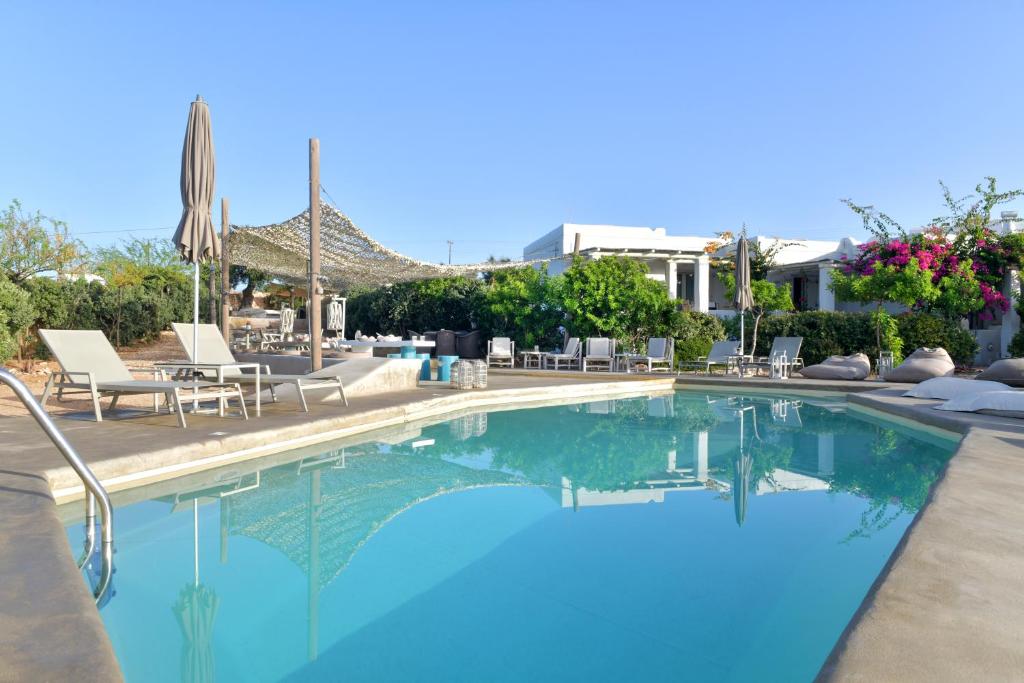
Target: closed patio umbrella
[196,238]
[743,300]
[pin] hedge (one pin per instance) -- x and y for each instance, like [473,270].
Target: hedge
[828,333]
[126,315]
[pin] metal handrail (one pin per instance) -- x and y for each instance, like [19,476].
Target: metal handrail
[94,490]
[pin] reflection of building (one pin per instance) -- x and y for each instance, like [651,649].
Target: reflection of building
[688,475]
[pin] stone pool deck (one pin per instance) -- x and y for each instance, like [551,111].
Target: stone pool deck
[949,605]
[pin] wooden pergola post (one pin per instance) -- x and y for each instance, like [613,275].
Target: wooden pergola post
[225,275]
[313,302]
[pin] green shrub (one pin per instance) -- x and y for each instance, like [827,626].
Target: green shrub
[923,329]
[16,314]
[695,333]
[1016,347]
[451,303]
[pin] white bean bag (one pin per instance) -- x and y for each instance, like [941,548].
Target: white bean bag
[1008,371]
[921,365]
[951,387]
[852,367]
[1002,403]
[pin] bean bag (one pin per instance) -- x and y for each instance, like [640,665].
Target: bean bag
[1002,403]
[1008,371]
[856,366]
[950,387]
[922,364]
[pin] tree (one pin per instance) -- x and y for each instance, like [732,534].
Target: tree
[31,243]
[518,304]
[253,279]
[768,297]
[909,285]
[16,315]
[612,296]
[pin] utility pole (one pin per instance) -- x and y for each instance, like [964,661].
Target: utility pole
[450,243]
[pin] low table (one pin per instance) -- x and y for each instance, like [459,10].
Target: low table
[181,367]
[533,360]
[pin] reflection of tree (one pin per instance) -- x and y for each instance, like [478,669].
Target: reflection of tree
[599,452]
[891,471]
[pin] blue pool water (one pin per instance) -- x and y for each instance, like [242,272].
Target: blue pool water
[687,537]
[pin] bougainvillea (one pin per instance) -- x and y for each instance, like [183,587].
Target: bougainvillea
[966,258]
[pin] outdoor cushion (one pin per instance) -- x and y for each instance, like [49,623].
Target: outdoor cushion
[951,387]
[921,365]
[1002,403]
[852,367]
[1008,371]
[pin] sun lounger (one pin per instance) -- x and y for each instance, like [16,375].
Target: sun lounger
[720,354]
[500,352]
[600,354]
[659,357]
[570,358]
[214,350]
[89,363]
[782,347]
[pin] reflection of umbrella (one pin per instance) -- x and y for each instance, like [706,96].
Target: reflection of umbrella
[196,238]
[743,300]
[741,475]
[196,609]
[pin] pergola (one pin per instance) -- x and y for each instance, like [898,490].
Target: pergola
[348,256]
[323,246]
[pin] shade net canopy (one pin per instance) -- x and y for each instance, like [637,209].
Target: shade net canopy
[349,257]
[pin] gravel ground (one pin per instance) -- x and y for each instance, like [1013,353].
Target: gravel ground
[138,356]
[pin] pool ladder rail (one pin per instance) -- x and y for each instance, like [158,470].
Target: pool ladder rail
[94,490]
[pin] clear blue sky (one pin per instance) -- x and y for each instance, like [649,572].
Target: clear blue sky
[489,123]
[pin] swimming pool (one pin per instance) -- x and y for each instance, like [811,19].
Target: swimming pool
[688,536]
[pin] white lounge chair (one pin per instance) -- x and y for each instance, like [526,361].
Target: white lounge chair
[501,352]
[89,363]
[782,347]
[600,354]
[659,357]
[570,358]
[214,350]
[720,354]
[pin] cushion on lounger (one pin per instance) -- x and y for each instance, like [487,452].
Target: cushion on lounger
[1008,371]
[856,366]
[921,365]
[1003,403]
[950,387]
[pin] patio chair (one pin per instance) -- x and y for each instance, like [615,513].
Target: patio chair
[787,347]
[719,355]
[501,352]
[570,358]
[600,354]
[215,351]
[660,355]
[444,343]
[89,363]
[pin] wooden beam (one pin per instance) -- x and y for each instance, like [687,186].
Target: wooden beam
[225,275]
[313,302]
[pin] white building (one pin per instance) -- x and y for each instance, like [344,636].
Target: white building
[681,262]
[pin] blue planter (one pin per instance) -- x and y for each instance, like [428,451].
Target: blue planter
[425,370]
[444,368]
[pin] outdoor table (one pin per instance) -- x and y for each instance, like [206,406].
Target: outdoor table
[736,362]
[533,359]
[181,367]
[622,361]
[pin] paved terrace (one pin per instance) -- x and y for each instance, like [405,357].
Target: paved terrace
[948,606]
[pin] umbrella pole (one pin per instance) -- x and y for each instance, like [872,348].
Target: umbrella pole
[739,366]
[195,335]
